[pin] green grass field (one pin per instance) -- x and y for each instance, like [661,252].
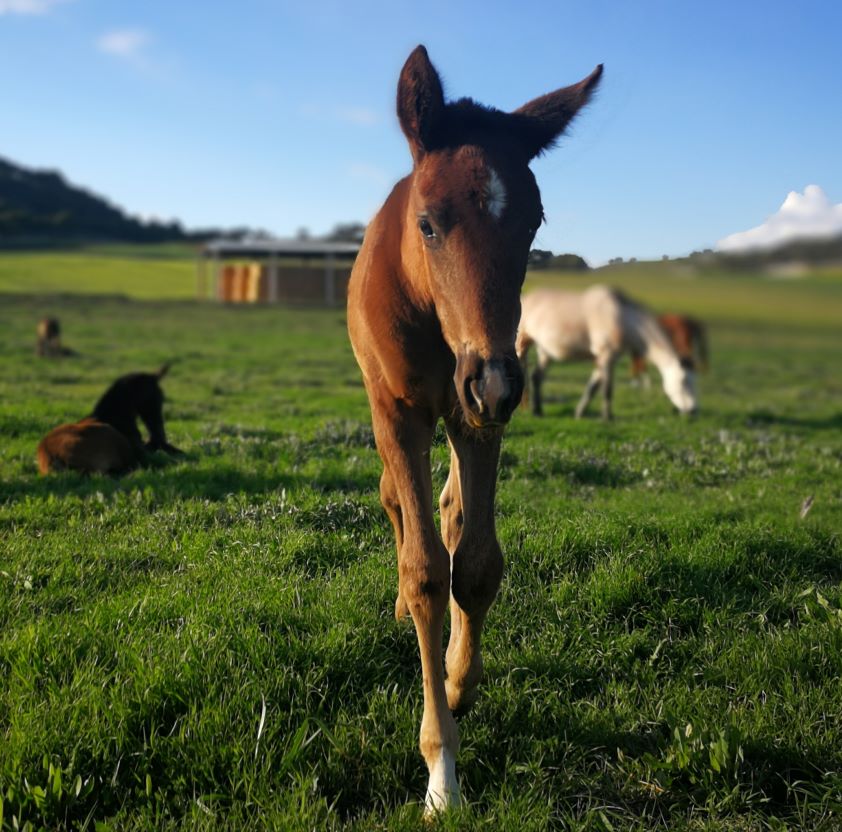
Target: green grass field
[665,652]
[154,272]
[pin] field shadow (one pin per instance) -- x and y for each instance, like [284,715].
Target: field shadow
[577,469]
[595,471]
[168,481]
[243,432]
[13,426]
[755,580]
[216,483]
[766,765]
[760,582]
[758,418]
[772,773]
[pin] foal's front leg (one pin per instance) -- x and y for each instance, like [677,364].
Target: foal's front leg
[403,439]
[467,510]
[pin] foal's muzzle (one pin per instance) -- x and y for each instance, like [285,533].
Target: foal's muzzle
[489,389]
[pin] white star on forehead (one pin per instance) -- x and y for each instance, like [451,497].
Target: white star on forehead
[495,194]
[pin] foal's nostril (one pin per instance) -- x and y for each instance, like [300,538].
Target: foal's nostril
[489,388]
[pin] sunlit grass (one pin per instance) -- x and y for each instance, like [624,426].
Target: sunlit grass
[210,644]
[141,272]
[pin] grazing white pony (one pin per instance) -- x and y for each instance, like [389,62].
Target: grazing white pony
[599,324]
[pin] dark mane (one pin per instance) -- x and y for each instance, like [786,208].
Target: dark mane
[628,301]
[467,122]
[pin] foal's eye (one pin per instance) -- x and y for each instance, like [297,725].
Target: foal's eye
[426,229]
[532,230]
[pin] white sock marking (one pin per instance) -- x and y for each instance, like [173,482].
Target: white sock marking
[443,787]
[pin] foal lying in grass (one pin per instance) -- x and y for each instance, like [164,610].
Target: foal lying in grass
[108,441]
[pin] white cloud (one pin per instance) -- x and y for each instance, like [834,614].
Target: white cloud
[128,44]
[28,6]
[810,214]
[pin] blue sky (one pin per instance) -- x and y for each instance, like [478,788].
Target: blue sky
[281,114]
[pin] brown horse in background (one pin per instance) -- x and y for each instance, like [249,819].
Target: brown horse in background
[433,308]
[108,441]
[689,338]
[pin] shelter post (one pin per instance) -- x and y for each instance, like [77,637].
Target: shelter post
[202,276]
[330,280]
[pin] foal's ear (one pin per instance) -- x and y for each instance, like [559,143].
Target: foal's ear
[420,101]
[549,115]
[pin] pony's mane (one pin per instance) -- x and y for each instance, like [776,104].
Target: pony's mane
[627,301]
[647,324]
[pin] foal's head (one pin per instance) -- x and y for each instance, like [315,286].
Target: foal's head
[133,396]
[474,208]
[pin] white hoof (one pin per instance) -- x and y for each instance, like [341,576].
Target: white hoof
[443,788]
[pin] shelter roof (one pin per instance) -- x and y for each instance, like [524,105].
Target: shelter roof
[279,248]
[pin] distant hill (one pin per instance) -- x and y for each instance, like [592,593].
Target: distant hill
[794,256]
[809,250]
[41,208]
[540,259]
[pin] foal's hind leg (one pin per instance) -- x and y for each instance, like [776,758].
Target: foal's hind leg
[476,559]
[389,499]
[452,520]
[450,505]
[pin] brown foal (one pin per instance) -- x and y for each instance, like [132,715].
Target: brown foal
[108,441]
[433,309]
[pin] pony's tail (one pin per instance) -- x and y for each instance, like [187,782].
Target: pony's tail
[701,333]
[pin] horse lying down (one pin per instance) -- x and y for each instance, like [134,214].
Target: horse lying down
[108,441]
